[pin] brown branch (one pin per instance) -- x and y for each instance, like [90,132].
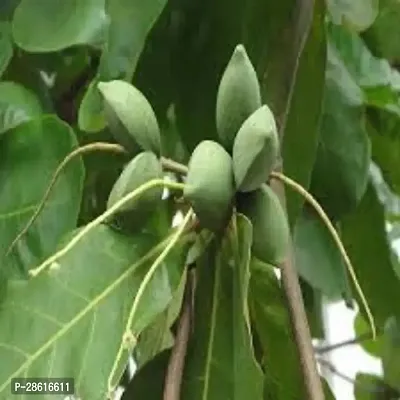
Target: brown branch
[89,148]
[173,378]
[290,280]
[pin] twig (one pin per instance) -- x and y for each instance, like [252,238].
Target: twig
[173,379]
[356,340]
[101,218]
[128,337]
[334,370]
[173,166]
[310,199]
[89,148]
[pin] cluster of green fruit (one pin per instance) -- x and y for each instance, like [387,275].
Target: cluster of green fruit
[221,176]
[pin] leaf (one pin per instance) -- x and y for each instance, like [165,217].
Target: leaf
[91,116]
[385,142]
[373,347]
[158,336]
[77,311]
[383,36]
[6,46]
[17,105]
[318,259]
[300,138]
[272,325]
[130,23]
[364,237]
[47,25]
[220,362]
[365,69]
[355,14]
[148,381]
[29,156]
[371,387]
[341,167]
[391,353]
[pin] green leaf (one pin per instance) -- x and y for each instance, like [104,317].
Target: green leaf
[91,116]
[29,156]
[384,36]
[77,311]
[385,141]
[365,69]
[283,380]
[371,387]
[148,382]
[17,105]
[47,25]
[356,14]
[6,46]
[318,259]
[341,168]
[130,22]
[364,237]
[220,362]
[391,353]
[158,336]
[300,138]
[373,347]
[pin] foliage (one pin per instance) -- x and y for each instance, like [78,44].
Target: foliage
[107,106]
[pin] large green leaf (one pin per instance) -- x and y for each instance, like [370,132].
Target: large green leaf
[371,387]
[364,237]
[318,259]
[158,336]
[341,168]
[220,361]
[283,379]
[76,313]
[357,14]
[366,69]
[384,35]
[300,138]
[17,105]
[391,353]
[130,22]
[49,25]
[29,156]
[6,46]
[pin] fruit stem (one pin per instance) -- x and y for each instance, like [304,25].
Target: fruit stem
[101,218]
[159,260]
[325,219]
[89,148]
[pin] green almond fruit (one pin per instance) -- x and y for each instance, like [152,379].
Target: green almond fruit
[238,96]
[142,169]
[130,117]
[271,234]
[209,184]
[255,150]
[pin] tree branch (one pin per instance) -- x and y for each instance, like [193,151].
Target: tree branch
[290,281]
[173,378]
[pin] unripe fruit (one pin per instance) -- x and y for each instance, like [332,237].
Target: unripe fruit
[130,117]
[255,150]
[209,184]
[271,232]
[142,169]
[238,96]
